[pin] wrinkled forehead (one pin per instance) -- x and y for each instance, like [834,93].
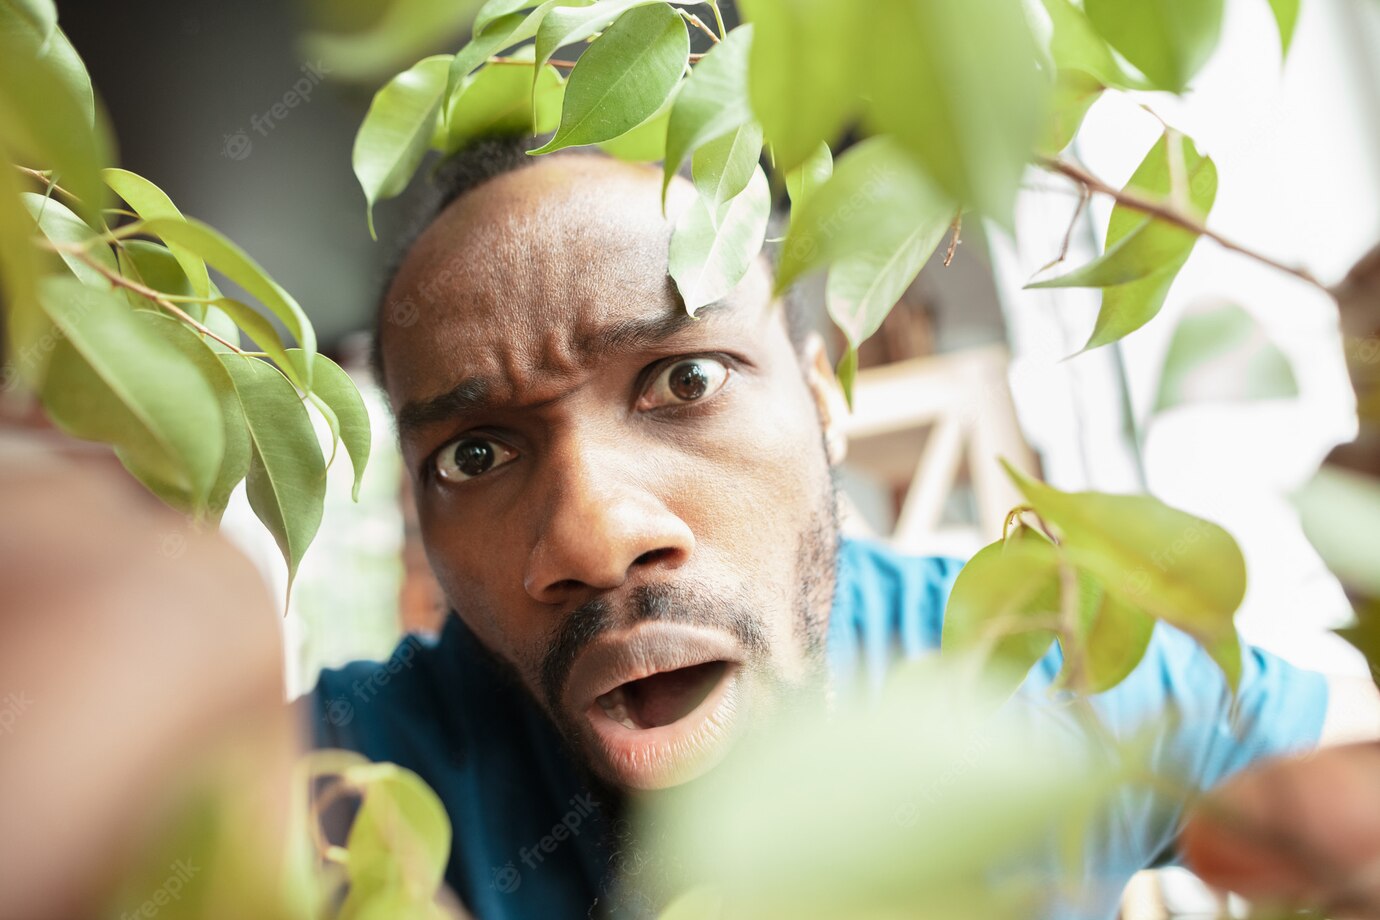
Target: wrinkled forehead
[554,250]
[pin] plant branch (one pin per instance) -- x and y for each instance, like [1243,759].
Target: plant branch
[46,178]
[559,63]
[1084,196]
[954,229]
[698,23]
[157,297]
[718,18]
[1169,215]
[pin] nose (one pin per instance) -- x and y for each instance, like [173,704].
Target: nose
[603,526]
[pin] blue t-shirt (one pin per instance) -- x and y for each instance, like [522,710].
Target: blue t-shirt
[529,836]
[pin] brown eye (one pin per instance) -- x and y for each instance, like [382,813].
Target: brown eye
[470,457]
[685,382]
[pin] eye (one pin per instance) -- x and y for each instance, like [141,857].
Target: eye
[470,457]
[685,382]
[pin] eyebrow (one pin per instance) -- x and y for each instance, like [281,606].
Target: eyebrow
[473,394]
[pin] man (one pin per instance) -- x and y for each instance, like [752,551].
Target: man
[632,514]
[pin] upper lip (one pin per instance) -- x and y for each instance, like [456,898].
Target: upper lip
[644,650]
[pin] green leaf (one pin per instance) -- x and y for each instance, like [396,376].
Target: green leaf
[60,225]
[1074,93]
[804,71]
[876,199]
[1340,512]
[711,251]
[149,202]
[1114,637]
[1142,246]
[263,334]
[847,374]
[112,379]
[802,181]
[1287,17]
[40,16]
[401,32]
[46,116]
[623,77]
[711,103]
[570,23]
[1167,40]
[1177,567]
[496,9]
[1001,605]
[1142,249]
[397,130]
[235,462]
[153,266]
[493,37]
[1222,354]
[233,262]
[26,327]
[399,842]
[1076,46]
[723,167]
[286,482]
[957,85]
[862,289]
[498,102]
[66,65]
[338,391]
[647,142]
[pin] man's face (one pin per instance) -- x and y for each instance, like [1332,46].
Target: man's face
[630,507]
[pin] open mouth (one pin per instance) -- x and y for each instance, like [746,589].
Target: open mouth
[662,698]
[658,703]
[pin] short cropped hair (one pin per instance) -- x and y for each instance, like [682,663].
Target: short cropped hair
[466,170]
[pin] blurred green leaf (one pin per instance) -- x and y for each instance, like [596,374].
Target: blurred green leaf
[711,250]
[862,289]
[1076,46]
[802,181]
[61,226]
[405,30]
[1167,40]
[876,199]
[711,103]
[1074,93]
[1001,607]
[804,71]
[1223,354]
[494,36]
[1177,567]
[1287,17]
[149,202]
[957,85]
[40,16]
[498,102]
[66,65]
[112,379]
[1114,636]
[26,325]
[46,117]
[570,23]
[1340,512]
[398,844]
[233,262]
[235,462]
[645,143]
[1135,240]
[338,391]
[497,9]
[723,167]
[623,78]
[286,482]
[397,130]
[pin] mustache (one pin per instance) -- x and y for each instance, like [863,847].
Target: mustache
[646,603]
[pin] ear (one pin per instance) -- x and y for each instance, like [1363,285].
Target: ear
[828,396]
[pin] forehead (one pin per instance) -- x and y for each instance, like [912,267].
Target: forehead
[526,270]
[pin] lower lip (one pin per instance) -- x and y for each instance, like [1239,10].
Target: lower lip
[656,758]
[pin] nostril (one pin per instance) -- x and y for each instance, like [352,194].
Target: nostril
[654,555]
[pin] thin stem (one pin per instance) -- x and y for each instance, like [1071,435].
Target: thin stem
[558,62]
[954,230]
[157,297]
[1083,197]
[46,179]
[698,23]
[718,18]
[1171,216]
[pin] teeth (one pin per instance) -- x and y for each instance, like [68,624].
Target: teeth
[615,706]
